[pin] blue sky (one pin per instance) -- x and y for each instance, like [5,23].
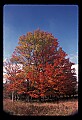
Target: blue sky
[60,20]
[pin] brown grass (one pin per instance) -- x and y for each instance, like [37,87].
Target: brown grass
[63,108]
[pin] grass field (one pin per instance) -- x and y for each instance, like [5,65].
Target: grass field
[19,108]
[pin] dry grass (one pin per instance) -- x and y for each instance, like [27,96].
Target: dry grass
[63,108]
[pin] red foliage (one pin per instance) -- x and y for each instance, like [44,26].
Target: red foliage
[44,64]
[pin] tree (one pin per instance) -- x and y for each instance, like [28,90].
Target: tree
[15,79]
[45,65]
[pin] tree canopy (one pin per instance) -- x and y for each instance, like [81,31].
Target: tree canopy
[45,69]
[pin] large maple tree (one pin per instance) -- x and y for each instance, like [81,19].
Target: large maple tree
[45,65]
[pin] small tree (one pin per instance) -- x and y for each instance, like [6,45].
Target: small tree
[15,79]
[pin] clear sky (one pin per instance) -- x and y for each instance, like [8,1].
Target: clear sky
[60,20]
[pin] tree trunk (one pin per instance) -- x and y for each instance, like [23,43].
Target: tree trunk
[27,98]
[12,96]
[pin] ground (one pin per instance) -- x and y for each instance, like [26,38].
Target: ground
[62,108]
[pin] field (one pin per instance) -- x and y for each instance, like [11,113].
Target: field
[19,108]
